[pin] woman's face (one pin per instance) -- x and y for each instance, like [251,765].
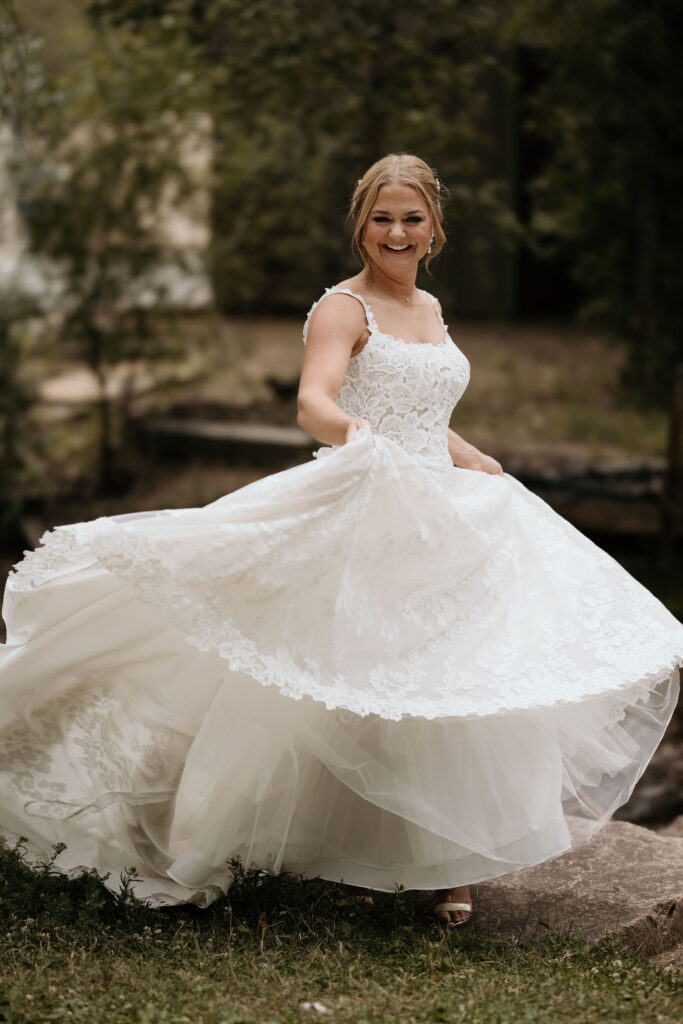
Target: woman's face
[398,230]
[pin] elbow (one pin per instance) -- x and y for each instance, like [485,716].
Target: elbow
[301,411]
[311,410]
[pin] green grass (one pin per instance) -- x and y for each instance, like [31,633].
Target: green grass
[71,950]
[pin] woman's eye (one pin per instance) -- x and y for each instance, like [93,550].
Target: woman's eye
[379,219]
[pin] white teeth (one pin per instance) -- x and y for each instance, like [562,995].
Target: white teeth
[397,248]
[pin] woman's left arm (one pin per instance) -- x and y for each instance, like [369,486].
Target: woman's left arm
[466,456]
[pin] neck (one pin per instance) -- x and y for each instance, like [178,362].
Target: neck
[402,288]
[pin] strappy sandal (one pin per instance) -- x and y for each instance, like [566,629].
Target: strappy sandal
[441,910]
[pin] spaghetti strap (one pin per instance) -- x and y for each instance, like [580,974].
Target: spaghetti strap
[435,303]
[370,319]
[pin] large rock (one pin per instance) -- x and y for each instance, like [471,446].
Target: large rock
[627,883]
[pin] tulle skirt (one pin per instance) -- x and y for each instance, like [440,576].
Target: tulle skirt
[366,668]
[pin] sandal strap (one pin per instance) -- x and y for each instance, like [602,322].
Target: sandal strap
[453,906]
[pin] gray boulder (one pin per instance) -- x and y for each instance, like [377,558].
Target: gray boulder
[627,883]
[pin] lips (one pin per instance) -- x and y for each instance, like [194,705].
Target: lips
[395,251]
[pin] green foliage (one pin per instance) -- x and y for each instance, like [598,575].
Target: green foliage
[20,445]
[305,95]
[313,94]
[101,158]
[13,64]
[609,193]
[40,891]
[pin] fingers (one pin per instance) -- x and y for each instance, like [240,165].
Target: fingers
[364,423]
[351,432]
[353,428]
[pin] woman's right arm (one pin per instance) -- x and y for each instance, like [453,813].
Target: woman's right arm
[336,326]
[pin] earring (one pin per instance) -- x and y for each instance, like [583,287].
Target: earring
[431,243]
[362,241]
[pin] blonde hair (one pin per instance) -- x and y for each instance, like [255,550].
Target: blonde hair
[397,169]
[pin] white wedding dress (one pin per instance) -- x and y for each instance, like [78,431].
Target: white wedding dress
[375,667]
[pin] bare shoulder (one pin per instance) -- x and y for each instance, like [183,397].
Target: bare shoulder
[432,298]
[338,308]
[354,284]
[337,317]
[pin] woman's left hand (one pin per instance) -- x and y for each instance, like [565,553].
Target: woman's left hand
[467,456]
[485,463]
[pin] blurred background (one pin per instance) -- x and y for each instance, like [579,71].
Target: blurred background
[174,183]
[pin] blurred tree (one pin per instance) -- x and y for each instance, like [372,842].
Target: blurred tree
[106,138]
[611,110]
[13,61]
[315,92]
[305,95]
[20,455]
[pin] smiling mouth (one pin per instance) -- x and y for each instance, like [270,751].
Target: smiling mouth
[397,248]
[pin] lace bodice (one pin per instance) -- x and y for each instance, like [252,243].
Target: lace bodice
[406,391]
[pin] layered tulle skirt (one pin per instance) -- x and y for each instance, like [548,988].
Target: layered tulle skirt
[365,668]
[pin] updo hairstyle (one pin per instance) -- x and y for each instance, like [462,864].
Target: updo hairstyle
[397,169]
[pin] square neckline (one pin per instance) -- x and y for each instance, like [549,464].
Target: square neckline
[375,328]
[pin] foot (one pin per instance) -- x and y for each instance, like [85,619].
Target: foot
[458,894]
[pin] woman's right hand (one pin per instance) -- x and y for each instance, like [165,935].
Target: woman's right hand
[353,427]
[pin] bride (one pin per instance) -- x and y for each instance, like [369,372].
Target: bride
[393,665]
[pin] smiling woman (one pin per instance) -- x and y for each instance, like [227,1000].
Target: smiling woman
[402,179]
[390,665]
[393,229]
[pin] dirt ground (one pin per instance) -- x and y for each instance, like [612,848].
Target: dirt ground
[538,394]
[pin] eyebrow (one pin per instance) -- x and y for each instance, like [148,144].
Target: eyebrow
[408,214]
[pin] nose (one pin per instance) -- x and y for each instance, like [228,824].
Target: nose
[396,230]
